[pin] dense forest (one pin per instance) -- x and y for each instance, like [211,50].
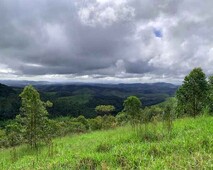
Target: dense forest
[75,100]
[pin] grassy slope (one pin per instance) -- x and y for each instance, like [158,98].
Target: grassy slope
[190,146]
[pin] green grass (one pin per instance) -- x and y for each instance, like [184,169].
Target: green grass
[188,146]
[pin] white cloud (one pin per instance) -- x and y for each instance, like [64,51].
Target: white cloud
[106,39]
[105,14]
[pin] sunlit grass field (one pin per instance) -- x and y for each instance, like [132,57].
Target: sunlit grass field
[188,146]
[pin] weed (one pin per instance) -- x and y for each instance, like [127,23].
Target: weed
[87,164]
[123,161]
[103,147]
[154,151]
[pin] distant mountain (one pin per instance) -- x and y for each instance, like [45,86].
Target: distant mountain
[76,99]
[22,83]
[81,99]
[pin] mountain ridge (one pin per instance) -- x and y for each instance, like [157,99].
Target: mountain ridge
[81,99]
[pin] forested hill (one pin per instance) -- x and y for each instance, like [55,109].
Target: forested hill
[9,102]
[81,99]
[6,90]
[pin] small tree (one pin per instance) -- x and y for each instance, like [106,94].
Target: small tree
[132,106]
[192,94]
[169,113]
[33,116]
[104,109]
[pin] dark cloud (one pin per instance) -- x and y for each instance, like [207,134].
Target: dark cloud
[105,39]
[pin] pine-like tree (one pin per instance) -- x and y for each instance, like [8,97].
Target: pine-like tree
[34,116]
[192,95]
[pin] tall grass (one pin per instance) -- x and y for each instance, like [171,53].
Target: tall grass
[188,146]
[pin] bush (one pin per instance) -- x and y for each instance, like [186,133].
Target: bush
[122,118]
[3,139]
[77,127]
[84,121]
[108,122]
[96,123]
[14,134]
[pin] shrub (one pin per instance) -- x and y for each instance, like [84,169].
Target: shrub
[84,121]
[96,123]
[122,118]
[87,164]
[77,127]
[3,139]
[108,122]
[14,134]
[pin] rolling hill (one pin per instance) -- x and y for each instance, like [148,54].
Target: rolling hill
[9,102]
[81,99]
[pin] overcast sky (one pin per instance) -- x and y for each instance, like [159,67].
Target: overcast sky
[105,40]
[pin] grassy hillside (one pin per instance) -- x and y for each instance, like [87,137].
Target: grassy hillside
[189,146]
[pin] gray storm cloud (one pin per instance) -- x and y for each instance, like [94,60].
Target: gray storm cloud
[105,39]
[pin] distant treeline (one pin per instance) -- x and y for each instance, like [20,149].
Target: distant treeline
[76,100]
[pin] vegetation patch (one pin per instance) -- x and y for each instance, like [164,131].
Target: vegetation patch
[103,147]
[87,164]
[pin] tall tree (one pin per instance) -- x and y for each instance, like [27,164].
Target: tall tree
[192,94]
[33,117]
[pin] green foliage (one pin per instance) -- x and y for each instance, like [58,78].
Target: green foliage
[108,122]
[103,147]
[105,122]
[122,118]
[77,127]
[66,125]
[53,129]
[210,96]
[150,112]
[132,106]
[9,102]
[96,123]
[104,109]
[14,133]
[33,117]
[169,113]
[190,146]
[84,121]
[3,139]
[74,100]
[192,95]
